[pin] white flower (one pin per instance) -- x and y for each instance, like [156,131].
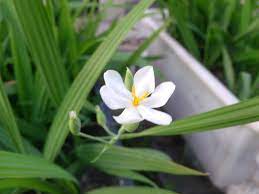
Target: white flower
[139,103]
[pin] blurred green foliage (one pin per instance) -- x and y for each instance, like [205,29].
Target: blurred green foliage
[223,35]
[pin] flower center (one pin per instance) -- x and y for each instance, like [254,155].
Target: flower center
[137,99]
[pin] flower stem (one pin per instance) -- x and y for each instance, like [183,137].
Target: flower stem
[112,141]
[92,137]
[108,131]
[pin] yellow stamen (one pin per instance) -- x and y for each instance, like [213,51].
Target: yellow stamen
[136,99]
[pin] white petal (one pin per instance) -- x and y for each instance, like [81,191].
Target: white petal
[113,100]
[144,81]
[114,81]
[160,96]
[128,116]
[154,116]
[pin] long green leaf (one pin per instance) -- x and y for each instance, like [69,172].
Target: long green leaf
[228,69]
[121,158]
[252,28]
[67,37]
[179,10]
[35,184]
[83,4]
[247,57]
[31,131]
[13,165]
[43,46]
[6,144]
[230,8]
[245,85]
[213,45]
[82,85]
[5,140]
[232,115]
[7,120]
[22,66]
[130,190]
[246,13]
[40,98]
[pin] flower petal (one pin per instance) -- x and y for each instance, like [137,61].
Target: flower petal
[114,81]
[154,116]
[128,116]
[160,96]
[144,81]
[113,100]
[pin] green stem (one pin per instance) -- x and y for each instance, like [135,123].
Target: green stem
[92,137]
[108,131]
[126,136]
[110,143]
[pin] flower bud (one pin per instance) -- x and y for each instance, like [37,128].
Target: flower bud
[44,2]
[128,81]
[100,117]
[74,123]
[131,127]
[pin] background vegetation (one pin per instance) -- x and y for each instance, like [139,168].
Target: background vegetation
[222,34]
[51,65]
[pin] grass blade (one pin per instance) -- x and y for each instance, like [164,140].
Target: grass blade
[245,85]
[7,120]
[35,184]
[7,144]
[213,45]
[22,66]
[67,39]
[82,85]
[232,115]
[250,57]
[40,98]
[228,69]
[246,13]
[13,165]
[130,190]
[43,46]
[230,8]
[179,10]
[250,30]
[139,159]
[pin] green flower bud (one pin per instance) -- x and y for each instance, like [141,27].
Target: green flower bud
[131,127]
[128,81]
[100,117]
[74,123]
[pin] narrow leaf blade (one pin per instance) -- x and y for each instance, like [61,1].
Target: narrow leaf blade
[228,116]
[7,120]
[29,184]
[121,158]
[40,37]
[13,165]
[130,190]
